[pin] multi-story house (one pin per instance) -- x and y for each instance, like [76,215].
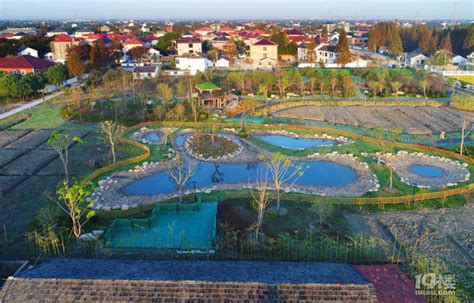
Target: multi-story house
[264,54]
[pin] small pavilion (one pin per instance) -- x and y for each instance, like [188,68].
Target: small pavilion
[211,95]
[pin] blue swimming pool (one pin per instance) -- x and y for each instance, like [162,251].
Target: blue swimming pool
[317,173]
[296,143]
[427,171]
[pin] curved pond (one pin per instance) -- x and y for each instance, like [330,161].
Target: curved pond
[427,171]
[296,143]
[317,173]
[153,136]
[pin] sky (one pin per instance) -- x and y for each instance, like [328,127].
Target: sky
[232,9]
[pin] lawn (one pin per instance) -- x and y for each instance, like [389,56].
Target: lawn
[48,116]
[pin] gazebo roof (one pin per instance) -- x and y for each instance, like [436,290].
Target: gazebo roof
[207,86]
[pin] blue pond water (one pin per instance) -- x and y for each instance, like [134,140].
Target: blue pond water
[427,171]
[324,173]
[153,136]
[295,143]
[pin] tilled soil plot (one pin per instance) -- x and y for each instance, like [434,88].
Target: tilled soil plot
[31,140]
[412,119]
[7,183]
[7,137]
[8,155]
[29,163]
[73,133]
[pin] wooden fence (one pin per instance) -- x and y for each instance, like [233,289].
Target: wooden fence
[442,194]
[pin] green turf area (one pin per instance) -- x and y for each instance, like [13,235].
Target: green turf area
[48,116]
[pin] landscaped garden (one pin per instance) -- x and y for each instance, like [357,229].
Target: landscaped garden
[278,191]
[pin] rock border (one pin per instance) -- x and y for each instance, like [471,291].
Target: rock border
[402,161]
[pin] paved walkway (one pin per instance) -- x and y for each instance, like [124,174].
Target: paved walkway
[30,105]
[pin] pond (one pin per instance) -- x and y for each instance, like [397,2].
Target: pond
[427,171]
[317,173]
[296,143]
[153,137]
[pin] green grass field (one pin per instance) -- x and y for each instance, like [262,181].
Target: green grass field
[48,116]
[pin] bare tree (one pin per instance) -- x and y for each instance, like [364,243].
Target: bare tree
[61,143]
[261,198]
[283,173]
[324,211]
[111,131]
[464,133]
[180,172]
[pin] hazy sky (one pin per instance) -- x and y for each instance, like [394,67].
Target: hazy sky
[227,9]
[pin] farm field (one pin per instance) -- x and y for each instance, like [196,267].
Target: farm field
[412,119]
[466,79]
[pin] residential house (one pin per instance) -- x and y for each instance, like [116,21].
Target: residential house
[470,62]
[264,54]
[192,63]
[415,58]
[188,46]
[14,30]
[145,72]
[82,32]
[153,55]
[61,45]
[25,50]
[128,45]
[222,63]
[219,42]
[326,53]
[55,32]
[459,60]
[24,65]
[202,31]
[48,56]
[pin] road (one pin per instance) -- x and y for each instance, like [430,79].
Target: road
[30,104]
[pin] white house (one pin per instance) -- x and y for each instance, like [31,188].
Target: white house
[128,45]
[48,56]
[25,50]
[415,59]
[57,31]
[192,63]
[222,63]
[326,54]
[459,61]
[153,55]
[145,72]
[82,32]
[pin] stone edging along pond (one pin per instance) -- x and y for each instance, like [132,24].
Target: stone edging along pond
[358,201]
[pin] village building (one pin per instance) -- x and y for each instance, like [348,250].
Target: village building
[145,72]
[188,46]
[192,63]
[264,54]
[24,65]
[27,51]
[61,45]
[415,58]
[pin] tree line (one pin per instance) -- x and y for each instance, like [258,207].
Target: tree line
[429,40]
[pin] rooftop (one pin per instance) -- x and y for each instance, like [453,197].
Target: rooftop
[207,86]
[25,62]
[264,41]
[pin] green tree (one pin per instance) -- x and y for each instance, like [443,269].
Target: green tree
[324,35]
[57,74]
[166,41]
[71,199]
[395,85]
[342,49]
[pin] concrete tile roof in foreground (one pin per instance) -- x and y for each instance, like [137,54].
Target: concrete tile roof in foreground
[94,280]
